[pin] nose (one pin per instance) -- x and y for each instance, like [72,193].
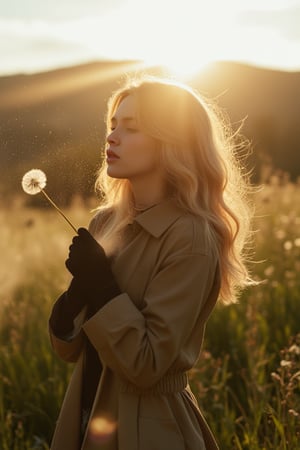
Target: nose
[112,138]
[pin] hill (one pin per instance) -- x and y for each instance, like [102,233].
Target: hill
[55,119]
[269,101]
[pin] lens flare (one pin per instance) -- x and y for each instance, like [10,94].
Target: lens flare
[101,430]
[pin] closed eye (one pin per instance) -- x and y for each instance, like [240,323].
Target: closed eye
[132,130]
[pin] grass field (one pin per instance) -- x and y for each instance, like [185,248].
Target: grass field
[248,378]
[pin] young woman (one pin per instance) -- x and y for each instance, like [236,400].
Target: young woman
[165,245]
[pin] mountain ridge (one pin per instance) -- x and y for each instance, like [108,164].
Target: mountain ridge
[48,116]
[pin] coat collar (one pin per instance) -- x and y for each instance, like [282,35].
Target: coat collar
[159,218]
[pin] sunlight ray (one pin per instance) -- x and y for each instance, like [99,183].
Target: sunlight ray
[63,82]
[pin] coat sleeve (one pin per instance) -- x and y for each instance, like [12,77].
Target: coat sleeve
[69,347]
[142,345]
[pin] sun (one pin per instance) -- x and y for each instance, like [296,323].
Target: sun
[183,66]
[185,38]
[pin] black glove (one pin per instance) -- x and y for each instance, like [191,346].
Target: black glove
[94,282]
[66,308]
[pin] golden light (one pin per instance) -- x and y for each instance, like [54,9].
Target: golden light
[101,429]
[183,36]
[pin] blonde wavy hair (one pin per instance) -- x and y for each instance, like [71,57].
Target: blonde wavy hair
[199,153]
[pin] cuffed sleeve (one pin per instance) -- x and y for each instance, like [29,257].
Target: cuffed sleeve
[65,332]
[68,350]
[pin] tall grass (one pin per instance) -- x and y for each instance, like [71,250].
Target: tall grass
[32,379]
[248,378]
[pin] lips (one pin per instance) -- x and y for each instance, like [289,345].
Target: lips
[111,156]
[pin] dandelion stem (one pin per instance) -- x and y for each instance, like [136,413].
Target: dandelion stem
[57,209]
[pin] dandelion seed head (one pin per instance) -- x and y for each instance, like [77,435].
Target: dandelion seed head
[34,181]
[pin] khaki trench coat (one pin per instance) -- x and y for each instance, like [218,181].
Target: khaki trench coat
[147,338]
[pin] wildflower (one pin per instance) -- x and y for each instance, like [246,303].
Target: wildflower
[34,182]
[285,363]
[293,412]
[276,377]
[295,349]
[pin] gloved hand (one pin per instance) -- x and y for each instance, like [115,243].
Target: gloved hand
[66,308]
[88,263]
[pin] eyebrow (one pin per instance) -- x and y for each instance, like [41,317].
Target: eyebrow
[123,119]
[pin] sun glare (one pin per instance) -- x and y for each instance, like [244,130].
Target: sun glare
[182,66]
[183,36]
[180,43]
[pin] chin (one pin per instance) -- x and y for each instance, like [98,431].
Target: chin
[114,173]
[111,172]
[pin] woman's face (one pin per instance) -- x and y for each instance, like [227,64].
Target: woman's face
[130,153]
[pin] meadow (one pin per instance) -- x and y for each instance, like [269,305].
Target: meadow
[248,378]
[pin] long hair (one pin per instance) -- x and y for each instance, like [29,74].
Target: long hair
[198,152]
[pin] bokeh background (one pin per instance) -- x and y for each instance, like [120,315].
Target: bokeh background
[59,63]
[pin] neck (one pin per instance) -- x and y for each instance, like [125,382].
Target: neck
[144,202]
[145,195]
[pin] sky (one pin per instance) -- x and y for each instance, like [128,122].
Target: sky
[184,35]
